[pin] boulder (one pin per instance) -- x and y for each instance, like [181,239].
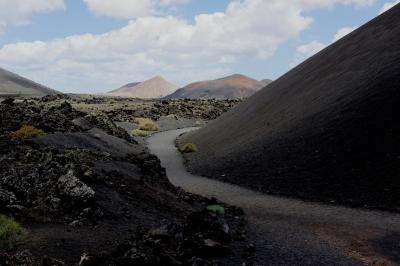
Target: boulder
[6,197]
[8,101]
[69,185]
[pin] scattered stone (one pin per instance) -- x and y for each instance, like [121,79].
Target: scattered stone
[88,260]
[47,261]
[76,223]
[15,208]
[160,233]
[71,186]
[55,202]
[86,211]
[6,198]
[251,248]
[20,258]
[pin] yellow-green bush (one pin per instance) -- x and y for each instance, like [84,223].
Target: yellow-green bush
[140,120]
[140,133]
[147,124]
[10,232]
[27,132]
[189,147]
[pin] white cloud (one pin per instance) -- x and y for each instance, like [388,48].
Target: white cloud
[173,47]
[18,12]
[343,32]
[307,50]
[172,2]
[129,9]
[310,49]
[314,4]
[124,9]
[388,6]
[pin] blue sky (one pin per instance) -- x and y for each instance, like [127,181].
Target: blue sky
[119,41]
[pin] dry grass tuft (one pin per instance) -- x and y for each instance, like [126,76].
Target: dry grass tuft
[147,124]
[27,132]
[140,133]
[189,147]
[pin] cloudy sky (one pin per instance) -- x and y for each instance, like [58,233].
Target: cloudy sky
[96,45]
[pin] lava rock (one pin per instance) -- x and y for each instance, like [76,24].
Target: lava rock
[8,101]
[70,185]
[6,198]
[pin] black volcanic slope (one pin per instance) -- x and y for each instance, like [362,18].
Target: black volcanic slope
[13,84]
[327,130]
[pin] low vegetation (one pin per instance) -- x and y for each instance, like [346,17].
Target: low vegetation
[10,232]
[147,124]
[217,209]
[27,132]
[140,133]
[188,148]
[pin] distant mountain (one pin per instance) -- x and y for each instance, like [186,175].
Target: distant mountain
[231,87]
[156,87]
[129,85]
[13,84]
[266,82]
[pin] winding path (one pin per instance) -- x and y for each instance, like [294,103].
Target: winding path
[293,232]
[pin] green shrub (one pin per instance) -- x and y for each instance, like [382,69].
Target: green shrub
[27,132]
[146,124]
[217,209]
[10,232]
[189,147]
[140,133]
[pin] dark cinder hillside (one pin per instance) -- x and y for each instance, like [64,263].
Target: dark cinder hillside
[328,130]
[13,84]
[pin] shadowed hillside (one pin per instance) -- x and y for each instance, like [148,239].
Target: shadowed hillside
[327,130]
[231,87]
[13,84]
[129,85]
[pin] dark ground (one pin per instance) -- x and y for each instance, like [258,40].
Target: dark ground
[88,191]
[327,131]
[290,231]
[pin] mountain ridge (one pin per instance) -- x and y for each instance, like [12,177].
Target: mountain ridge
[13,84]
[156,87]
[229,87]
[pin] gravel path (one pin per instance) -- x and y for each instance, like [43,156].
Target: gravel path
[292,232]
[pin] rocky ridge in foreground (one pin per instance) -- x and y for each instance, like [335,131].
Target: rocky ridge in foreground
[87,193]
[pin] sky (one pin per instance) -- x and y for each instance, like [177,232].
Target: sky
[91,46]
